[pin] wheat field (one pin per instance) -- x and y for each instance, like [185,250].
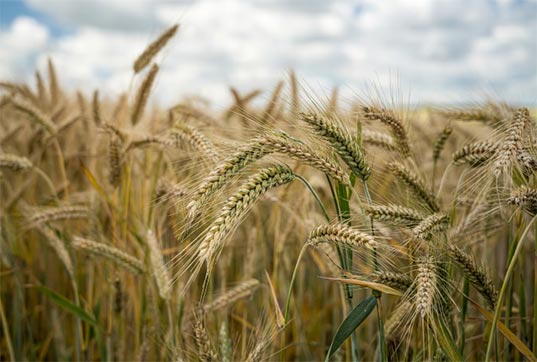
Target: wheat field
[296,228]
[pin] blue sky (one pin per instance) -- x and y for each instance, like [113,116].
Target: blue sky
[448,51]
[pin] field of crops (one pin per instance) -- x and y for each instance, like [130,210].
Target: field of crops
[286,227]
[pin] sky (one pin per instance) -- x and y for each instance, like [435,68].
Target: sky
[432,51]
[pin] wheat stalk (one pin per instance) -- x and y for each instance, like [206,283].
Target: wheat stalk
[60,249]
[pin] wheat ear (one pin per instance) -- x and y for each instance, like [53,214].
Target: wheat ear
[440,142]
[184,133]
[396,126]
[35,115]
[341,141]
[58,213]
[60,249]
[475,154]
[143,94]
[397,281]
[152,49]
[14,162]
[524,197]
[379,139]
[414,183]
[425,286]
[109,252]
[238,204]
[205,349]
[512,141]
[243,290]
[476,274]
[341,234]
[395,214]
[431,224]
[160,271]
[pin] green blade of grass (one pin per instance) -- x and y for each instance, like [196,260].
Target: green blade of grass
[67,305]
[351,322]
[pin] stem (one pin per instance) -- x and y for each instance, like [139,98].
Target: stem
[5,326]
[464,310]
[534,343]
[61,163]
[382,338]
[505,284]
[315,195]
[293,277]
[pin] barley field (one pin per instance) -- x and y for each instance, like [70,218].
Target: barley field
[285,228]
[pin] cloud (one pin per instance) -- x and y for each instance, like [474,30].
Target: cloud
[19,47]
[442,51]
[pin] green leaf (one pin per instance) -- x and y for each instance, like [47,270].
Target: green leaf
[67,305]
[351,322]
[446,342]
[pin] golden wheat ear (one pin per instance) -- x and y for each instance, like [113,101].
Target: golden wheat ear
[341,141]
[152,49]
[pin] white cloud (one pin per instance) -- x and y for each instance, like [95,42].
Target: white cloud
[444,51]
[19,46]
